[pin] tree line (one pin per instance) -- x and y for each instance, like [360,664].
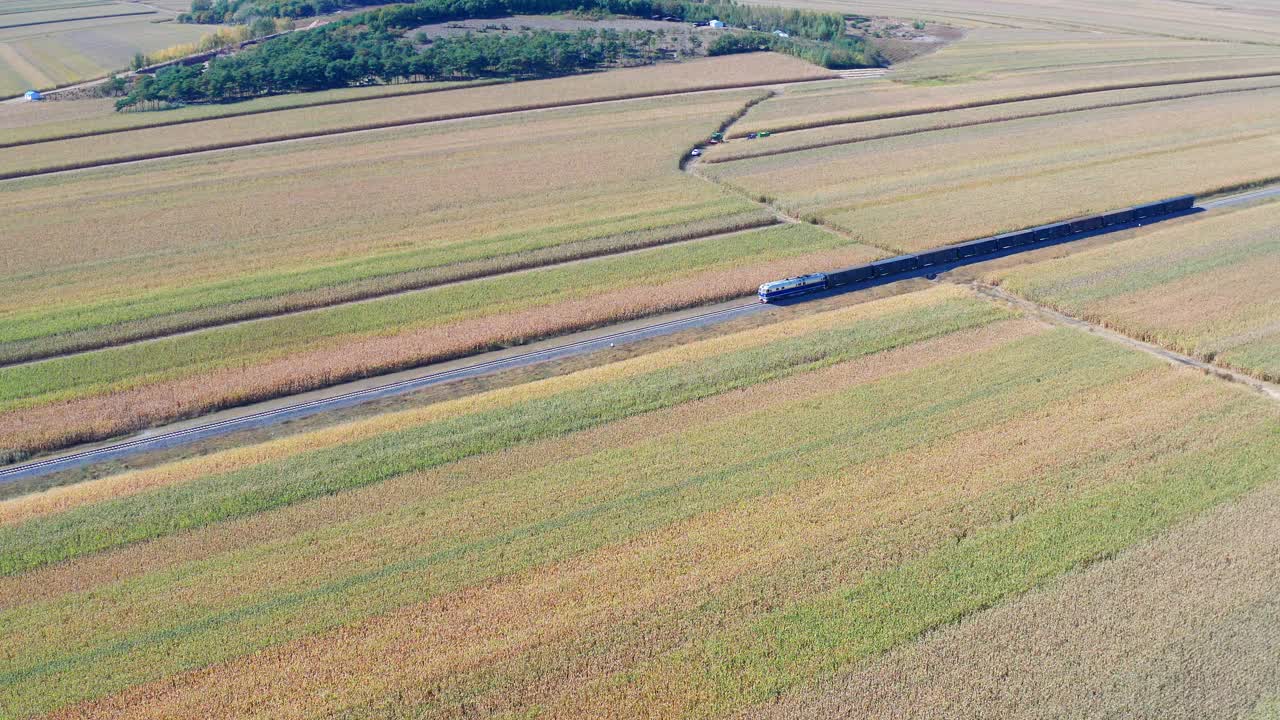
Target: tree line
[343,56]
[370,47]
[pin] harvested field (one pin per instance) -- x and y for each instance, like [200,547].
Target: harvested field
[125,388]
[28,123]
[129,134]
[256,225]
[1056,54]
[1205,286]
[63,53]
[990,178]
[469,563]
[1185,626]
[1240,21]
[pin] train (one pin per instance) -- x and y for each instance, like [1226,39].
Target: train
[968,251]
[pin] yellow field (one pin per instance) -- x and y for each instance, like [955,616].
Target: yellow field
[930,499]
[1204,286]
[402,109]
[829,103]
[271,219]
[851,132]
[1252,21]
[460,565]
[66,50]
[929,189]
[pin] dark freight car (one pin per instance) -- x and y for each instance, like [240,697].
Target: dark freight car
[1119,217]
[903,264]
[850,276]
[939,256]
[1086,224]
[895,265]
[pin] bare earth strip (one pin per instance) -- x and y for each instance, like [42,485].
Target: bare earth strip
[1187,626]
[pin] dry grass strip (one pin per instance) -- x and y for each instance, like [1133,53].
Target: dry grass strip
[151,328]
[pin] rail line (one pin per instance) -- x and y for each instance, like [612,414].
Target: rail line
[311,407]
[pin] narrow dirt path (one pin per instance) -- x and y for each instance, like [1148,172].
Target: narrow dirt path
[1036,310]
[690,164]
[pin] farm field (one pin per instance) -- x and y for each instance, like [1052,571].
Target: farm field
[844,133]
[928,498]
[66,49]
[832,103]
[404,108]
[455,557]
[990,178]
[102,393]
[1240,21]
[1052,55]
[1182,626]
[40,122]
[1205,287]
[395,213]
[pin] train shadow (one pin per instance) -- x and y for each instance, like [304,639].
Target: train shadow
[931,272]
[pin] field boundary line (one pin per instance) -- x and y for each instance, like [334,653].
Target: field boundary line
[366,127]
[515,269]
[972,123]
[1048,314]
[888,115]
[689,164]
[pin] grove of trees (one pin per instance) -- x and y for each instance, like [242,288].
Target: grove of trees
[371,47]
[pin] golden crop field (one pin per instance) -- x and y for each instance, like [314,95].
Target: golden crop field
[40,122]
[260,223]
[933,498]
[862,130]
[448,560]
[1114,640]
[929,189]
[1243,21]
[404,108]
[65,49]
[1205,286]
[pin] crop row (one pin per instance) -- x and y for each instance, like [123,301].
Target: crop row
[162,325]
[184,235]
[197,134]
[1083,647]
[1205,287]
[1057,167]
[545,569]
[865,130]
[101,393]
[86,117]
[830,104]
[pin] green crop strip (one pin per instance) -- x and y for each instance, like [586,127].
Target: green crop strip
[927,406]
[818,638]
[38,324]
[137,518]
[118,368]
